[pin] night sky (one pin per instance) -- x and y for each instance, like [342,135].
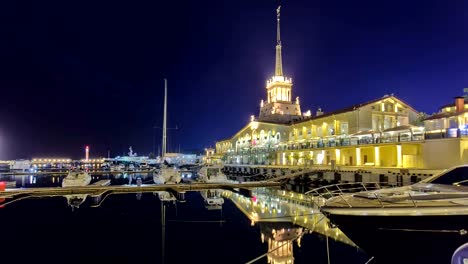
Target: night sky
[76,73]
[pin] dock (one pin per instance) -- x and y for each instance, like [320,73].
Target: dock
[102,183]
[97,189]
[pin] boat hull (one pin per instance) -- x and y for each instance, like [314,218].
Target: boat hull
[76,180]
[405,239]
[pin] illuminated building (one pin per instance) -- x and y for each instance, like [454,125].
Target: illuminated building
[278,107]
[447,135]
[380,133]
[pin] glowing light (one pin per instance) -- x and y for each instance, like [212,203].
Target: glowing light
[338,156]
[399,163]
[377,156]
[358,156]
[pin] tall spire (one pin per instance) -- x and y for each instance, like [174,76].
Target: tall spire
[163,153]
[279,63]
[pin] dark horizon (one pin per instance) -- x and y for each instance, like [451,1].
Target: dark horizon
[77,74]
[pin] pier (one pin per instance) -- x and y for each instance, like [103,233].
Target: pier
[96,189]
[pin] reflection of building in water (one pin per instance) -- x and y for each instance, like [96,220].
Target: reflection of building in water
[280,238]
[213,199]
[273,205]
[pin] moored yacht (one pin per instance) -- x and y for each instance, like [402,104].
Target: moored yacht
[117,167]
[212,174]
[167,174]
[76,178]
[431,214]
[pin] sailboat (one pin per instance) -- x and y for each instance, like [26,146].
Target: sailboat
[166,174]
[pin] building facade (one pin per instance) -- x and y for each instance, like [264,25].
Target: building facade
[382,133]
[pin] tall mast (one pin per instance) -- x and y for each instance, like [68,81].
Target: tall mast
[164,120]
[279,63]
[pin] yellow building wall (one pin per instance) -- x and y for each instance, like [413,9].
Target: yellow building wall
[388,156]
[367,155]
[411,156]
[464,151]
[442,153]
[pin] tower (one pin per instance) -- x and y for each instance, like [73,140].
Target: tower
[87,153]
[279,107]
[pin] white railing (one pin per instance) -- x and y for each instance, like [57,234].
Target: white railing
[323,193]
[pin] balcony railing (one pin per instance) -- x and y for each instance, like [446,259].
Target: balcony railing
[350,141]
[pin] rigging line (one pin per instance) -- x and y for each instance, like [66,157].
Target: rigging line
[462,231]
[367,262]
[198,221]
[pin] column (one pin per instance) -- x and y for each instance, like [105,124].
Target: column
[377,156]
[399,160]
[338,156]
[358,156]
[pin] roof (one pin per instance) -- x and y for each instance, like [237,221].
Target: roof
[248,125]
[445,115]
[354,107]
[366,132]
[453,103]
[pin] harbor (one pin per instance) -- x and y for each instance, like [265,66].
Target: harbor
[234,132]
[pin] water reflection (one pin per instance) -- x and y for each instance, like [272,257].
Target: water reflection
[75,200]
[274,223]
[55,180]
[274,205]
[213,199]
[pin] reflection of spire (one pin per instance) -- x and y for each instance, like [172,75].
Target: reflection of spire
[279,63]
[280,237]
[163,230]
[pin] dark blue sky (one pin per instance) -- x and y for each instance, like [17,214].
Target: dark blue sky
[74,73]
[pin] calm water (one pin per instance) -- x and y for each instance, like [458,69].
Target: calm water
[156,228]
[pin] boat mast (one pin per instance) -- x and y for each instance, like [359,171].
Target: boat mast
[163,153]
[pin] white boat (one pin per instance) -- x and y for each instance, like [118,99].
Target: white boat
[166,174]
[213,199]
[144,165]
[213,174]
[76,178]
[432,213]
[117,170]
